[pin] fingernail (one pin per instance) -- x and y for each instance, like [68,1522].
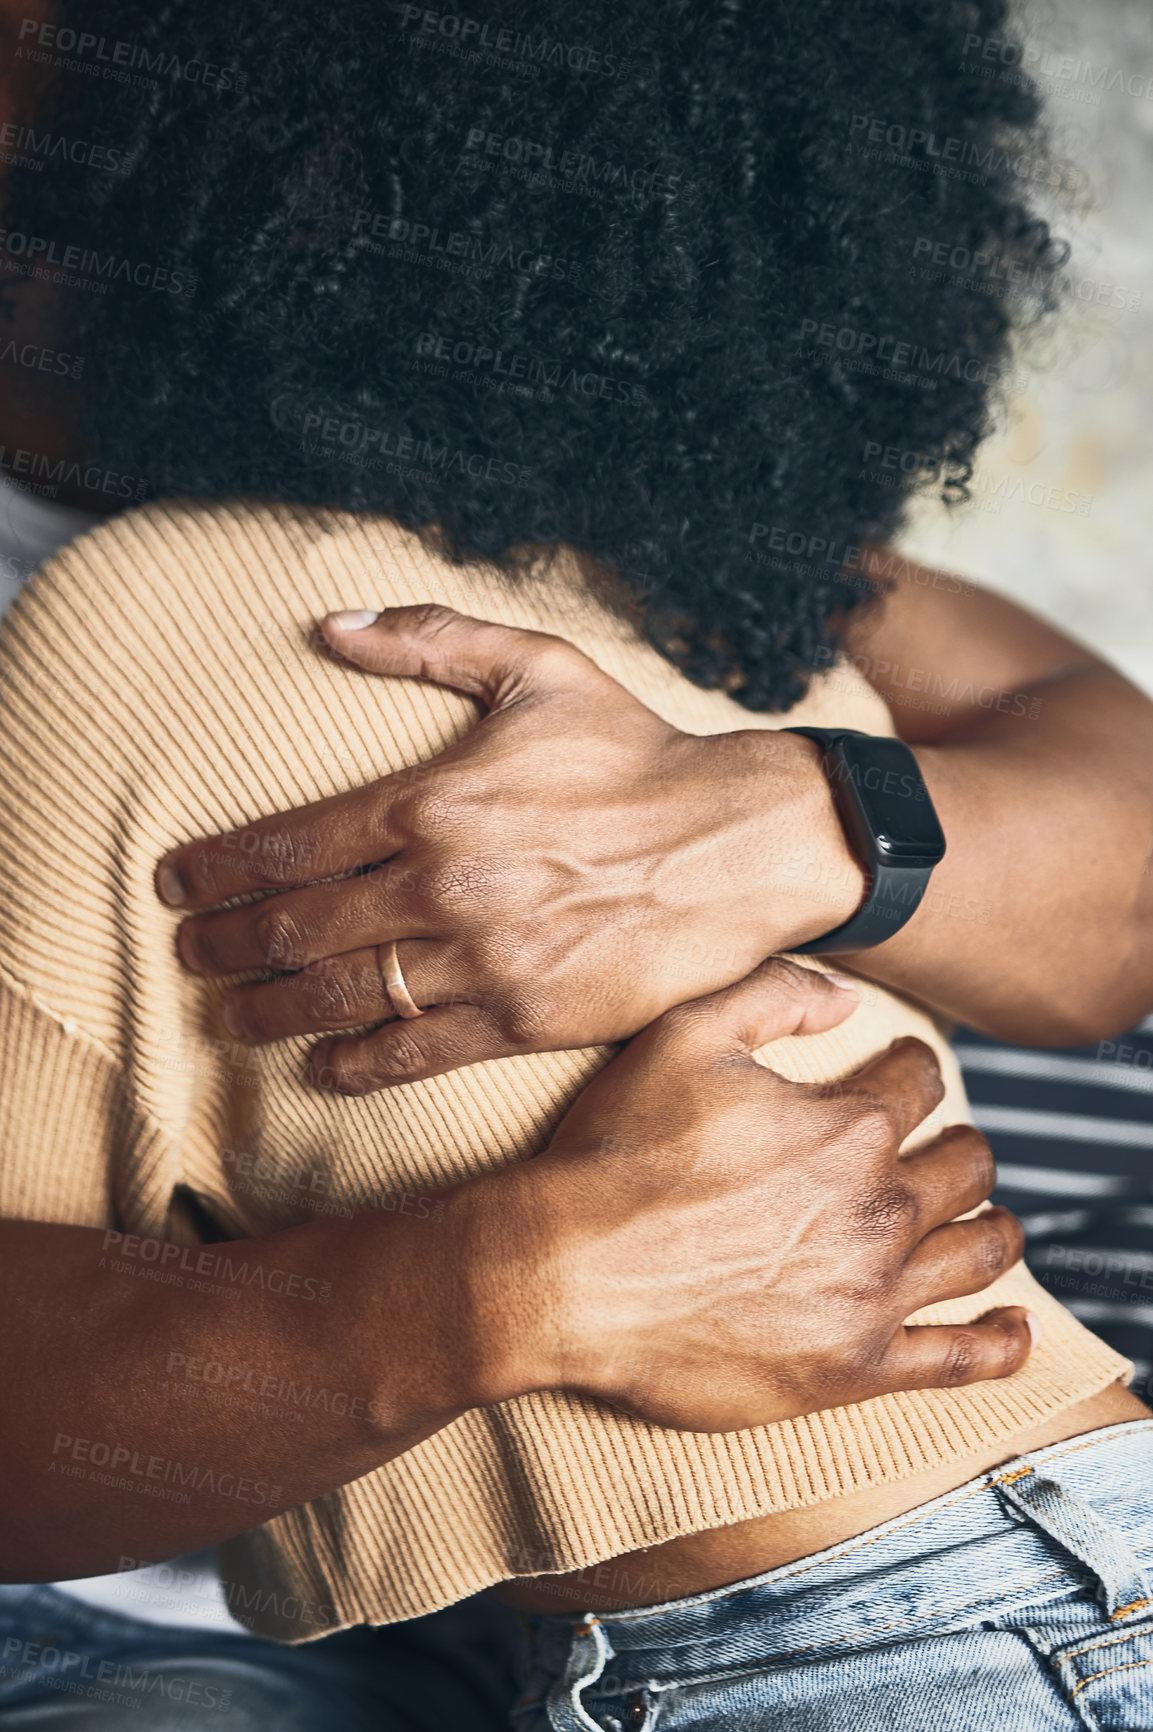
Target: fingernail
[1033,1324]
[231,1018]
[354,619]
[172,887]
[843,982]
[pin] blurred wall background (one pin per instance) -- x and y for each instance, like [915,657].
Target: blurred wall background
[1062,512]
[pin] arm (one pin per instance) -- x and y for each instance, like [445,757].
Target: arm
[117,1453]
[594,1267]
[1039,759]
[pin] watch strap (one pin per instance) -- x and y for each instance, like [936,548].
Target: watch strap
[892,894]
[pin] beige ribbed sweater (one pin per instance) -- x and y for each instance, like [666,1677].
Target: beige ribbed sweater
[156,684]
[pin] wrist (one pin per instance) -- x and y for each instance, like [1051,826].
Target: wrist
[504,1249]
[816,882]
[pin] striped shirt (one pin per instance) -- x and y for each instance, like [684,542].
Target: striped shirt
[1072,1131]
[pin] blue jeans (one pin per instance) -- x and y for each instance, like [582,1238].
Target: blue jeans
[1020,1602]
[70,1665]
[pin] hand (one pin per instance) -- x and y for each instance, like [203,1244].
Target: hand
[568,871]
[728,1249]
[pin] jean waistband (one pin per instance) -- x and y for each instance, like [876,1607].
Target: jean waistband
[1028,1530]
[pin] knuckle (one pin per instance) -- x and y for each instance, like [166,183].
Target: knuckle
[279,936]
[495,958]
[432,617]
[963,1359]
[401,1057]
[695,1026]
[550,656]
[331,1000]
[424,806]
[885,1210]
[849,1367]
[928,1069]
[286,855]
[1015,1234]
[1013,1231]
[524,1021]
[276,856]
[873,1130]
[464,886]
[918,1054]
[872,1290]
[991,1250]
[981,1168]
[682,1051]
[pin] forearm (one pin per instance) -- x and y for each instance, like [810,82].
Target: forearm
[171,1397]
[1038,925]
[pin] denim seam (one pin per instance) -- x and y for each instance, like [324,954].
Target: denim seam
[1102,1642]
[1129,1666]
[1133,1606]
[639,1614]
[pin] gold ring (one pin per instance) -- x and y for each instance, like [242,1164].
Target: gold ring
[399,996]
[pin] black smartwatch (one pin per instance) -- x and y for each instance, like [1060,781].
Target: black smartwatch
[891,826]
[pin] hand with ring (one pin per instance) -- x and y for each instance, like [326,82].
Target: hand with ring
[568,871]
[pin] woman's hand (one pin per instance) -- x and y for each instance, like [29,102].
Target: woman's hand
[568,871]
[715,1247]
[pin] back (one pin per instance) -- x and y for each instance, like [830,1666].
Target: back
[157,683]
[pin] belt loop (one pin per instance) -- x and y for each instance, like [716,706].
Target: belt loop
[1122,1586]
[590,1651]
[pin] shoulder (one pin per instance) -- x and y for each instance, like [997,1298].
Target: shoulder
[174,554]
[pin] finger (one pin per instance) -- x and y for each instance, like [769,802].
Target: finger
[906,1079]
[322,840]
[964,1257]
[777,999]
[408,1051]
[300,927]
[950,1175]
[496,663]
[341,992]
[945,1356]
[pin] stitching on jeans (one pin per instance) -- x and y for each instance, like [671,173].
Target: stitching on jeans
[787,1653]
[1129,1666]
[1101,1642]
[1133,1605]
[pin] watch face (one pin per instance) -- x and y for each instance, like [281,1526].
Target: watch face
[892,799]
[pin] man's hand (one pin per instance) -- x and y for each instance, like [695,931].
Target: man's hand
[722,1248]
[571,869]
[703,1244]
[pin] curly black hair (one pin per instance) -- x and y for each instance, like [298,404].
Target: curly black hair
[669,282]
